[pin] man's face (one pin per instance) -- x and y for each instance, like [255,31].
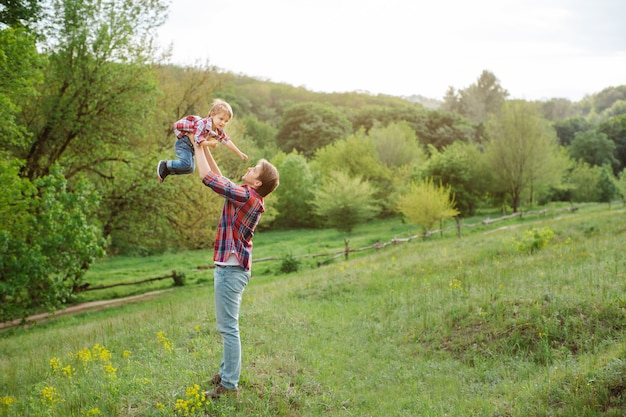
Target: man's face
[251,177]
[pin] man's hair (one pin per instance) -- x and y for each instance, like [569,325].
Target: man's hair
[220,106]
[268,177]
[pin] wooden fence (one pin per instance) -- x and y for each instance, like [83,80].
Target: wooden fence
[179,278]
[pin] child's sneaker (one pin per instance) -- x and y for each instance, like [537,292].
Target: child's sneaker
[162,171]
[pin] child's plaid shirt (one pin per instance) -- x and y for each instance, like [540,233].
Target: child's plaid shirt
[241,214]
[201,128]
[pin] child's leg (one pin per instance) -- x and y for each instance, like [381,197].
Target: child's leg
[184,152]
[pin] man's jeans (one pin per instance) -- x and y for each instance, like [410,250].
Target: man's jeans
[229,283]
[184,153]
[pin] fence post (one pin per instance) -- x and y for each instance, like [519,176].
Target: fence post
[179,280]
[347,250]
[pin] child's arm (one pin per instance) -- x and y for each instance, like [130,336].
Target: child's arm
[231,145]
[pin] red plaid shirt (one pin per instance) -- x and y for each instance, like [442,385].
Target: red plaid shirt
[201,128]
[241,214]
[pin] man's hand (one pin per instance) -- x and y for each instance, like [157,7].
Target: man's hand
[209,143]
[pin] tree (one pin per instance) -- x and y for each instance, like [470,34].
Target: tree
[357,157]
[458,166]
[607,97]
[582,180]
[440,129]
[20,73]
[295,194]
[19,13]
[558,109]
[567,129]
[397,145]
[343,202]
[307,127]
[607,185]
[48,239]
[621,185]
[97,87]
[615,129]
[594,148]
[479,100]
[522,152]
[426,204]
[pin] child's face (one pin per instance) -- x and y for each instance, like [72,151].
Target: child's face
[220,119]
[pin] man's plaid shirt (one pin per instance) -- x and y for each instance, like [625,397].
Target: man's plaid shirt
[241,214]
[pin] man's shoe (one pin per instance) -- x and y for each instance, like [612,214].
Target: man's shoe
[216,380]
[221,391]
[162,171]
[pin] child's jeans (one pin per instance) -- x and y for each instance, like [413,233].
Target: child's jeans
[184,152]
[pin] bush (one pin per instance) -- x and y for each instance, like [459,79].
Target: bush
[289,264]
[533,240]
[48,240]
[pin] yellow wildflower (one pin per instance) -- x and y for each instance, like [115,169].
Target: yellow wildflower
[7,400]
[162,338]
[55,365]
[50,396]
[68,371]
[85,356]
[101,353]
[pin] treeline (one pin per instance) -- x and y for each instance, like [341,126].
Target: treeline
[88,106]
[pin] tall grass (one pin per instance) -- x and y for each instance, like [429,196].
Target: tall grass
[476,326]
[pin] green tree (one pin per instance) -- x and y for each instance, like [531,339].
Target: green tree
[19,13]
[621,184]
[48,239]
[568,128]
[582,180]
[344,201]
[441,129]
[615,129]
[479,100]
[607,185]
[356,156]
[98,86]
[263,133]
[307,127]
[397,145]
[20,73]
[557,109]
[607,97]
[459,167]
[426,204]
[522,152]
[594,148]
[294,197]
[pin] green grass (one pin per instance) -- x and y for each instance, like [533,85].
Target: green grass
[443,326]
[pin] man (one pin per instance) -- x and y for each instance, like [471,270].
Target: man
[232,254]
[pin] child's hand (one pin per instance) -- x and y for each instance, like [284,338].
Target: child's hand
[243,156]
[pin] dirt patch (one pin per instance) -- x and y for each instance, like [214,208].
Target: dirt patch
[84,307]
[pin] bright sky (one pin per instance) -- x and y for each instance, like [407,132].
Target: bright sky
[538,49]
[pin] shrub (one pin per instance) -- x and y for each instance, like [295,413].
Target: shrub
[533,240]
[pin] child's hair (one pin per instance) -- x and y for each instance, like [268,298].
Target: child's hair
[268,177]
[220,106]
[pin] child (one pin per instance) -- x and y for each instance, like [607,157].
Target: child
[206,132]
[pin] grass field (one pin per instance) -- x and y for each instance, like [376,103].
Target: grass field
[523,318]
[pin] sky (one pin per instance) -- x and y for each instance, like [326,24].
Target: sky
[537,49]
